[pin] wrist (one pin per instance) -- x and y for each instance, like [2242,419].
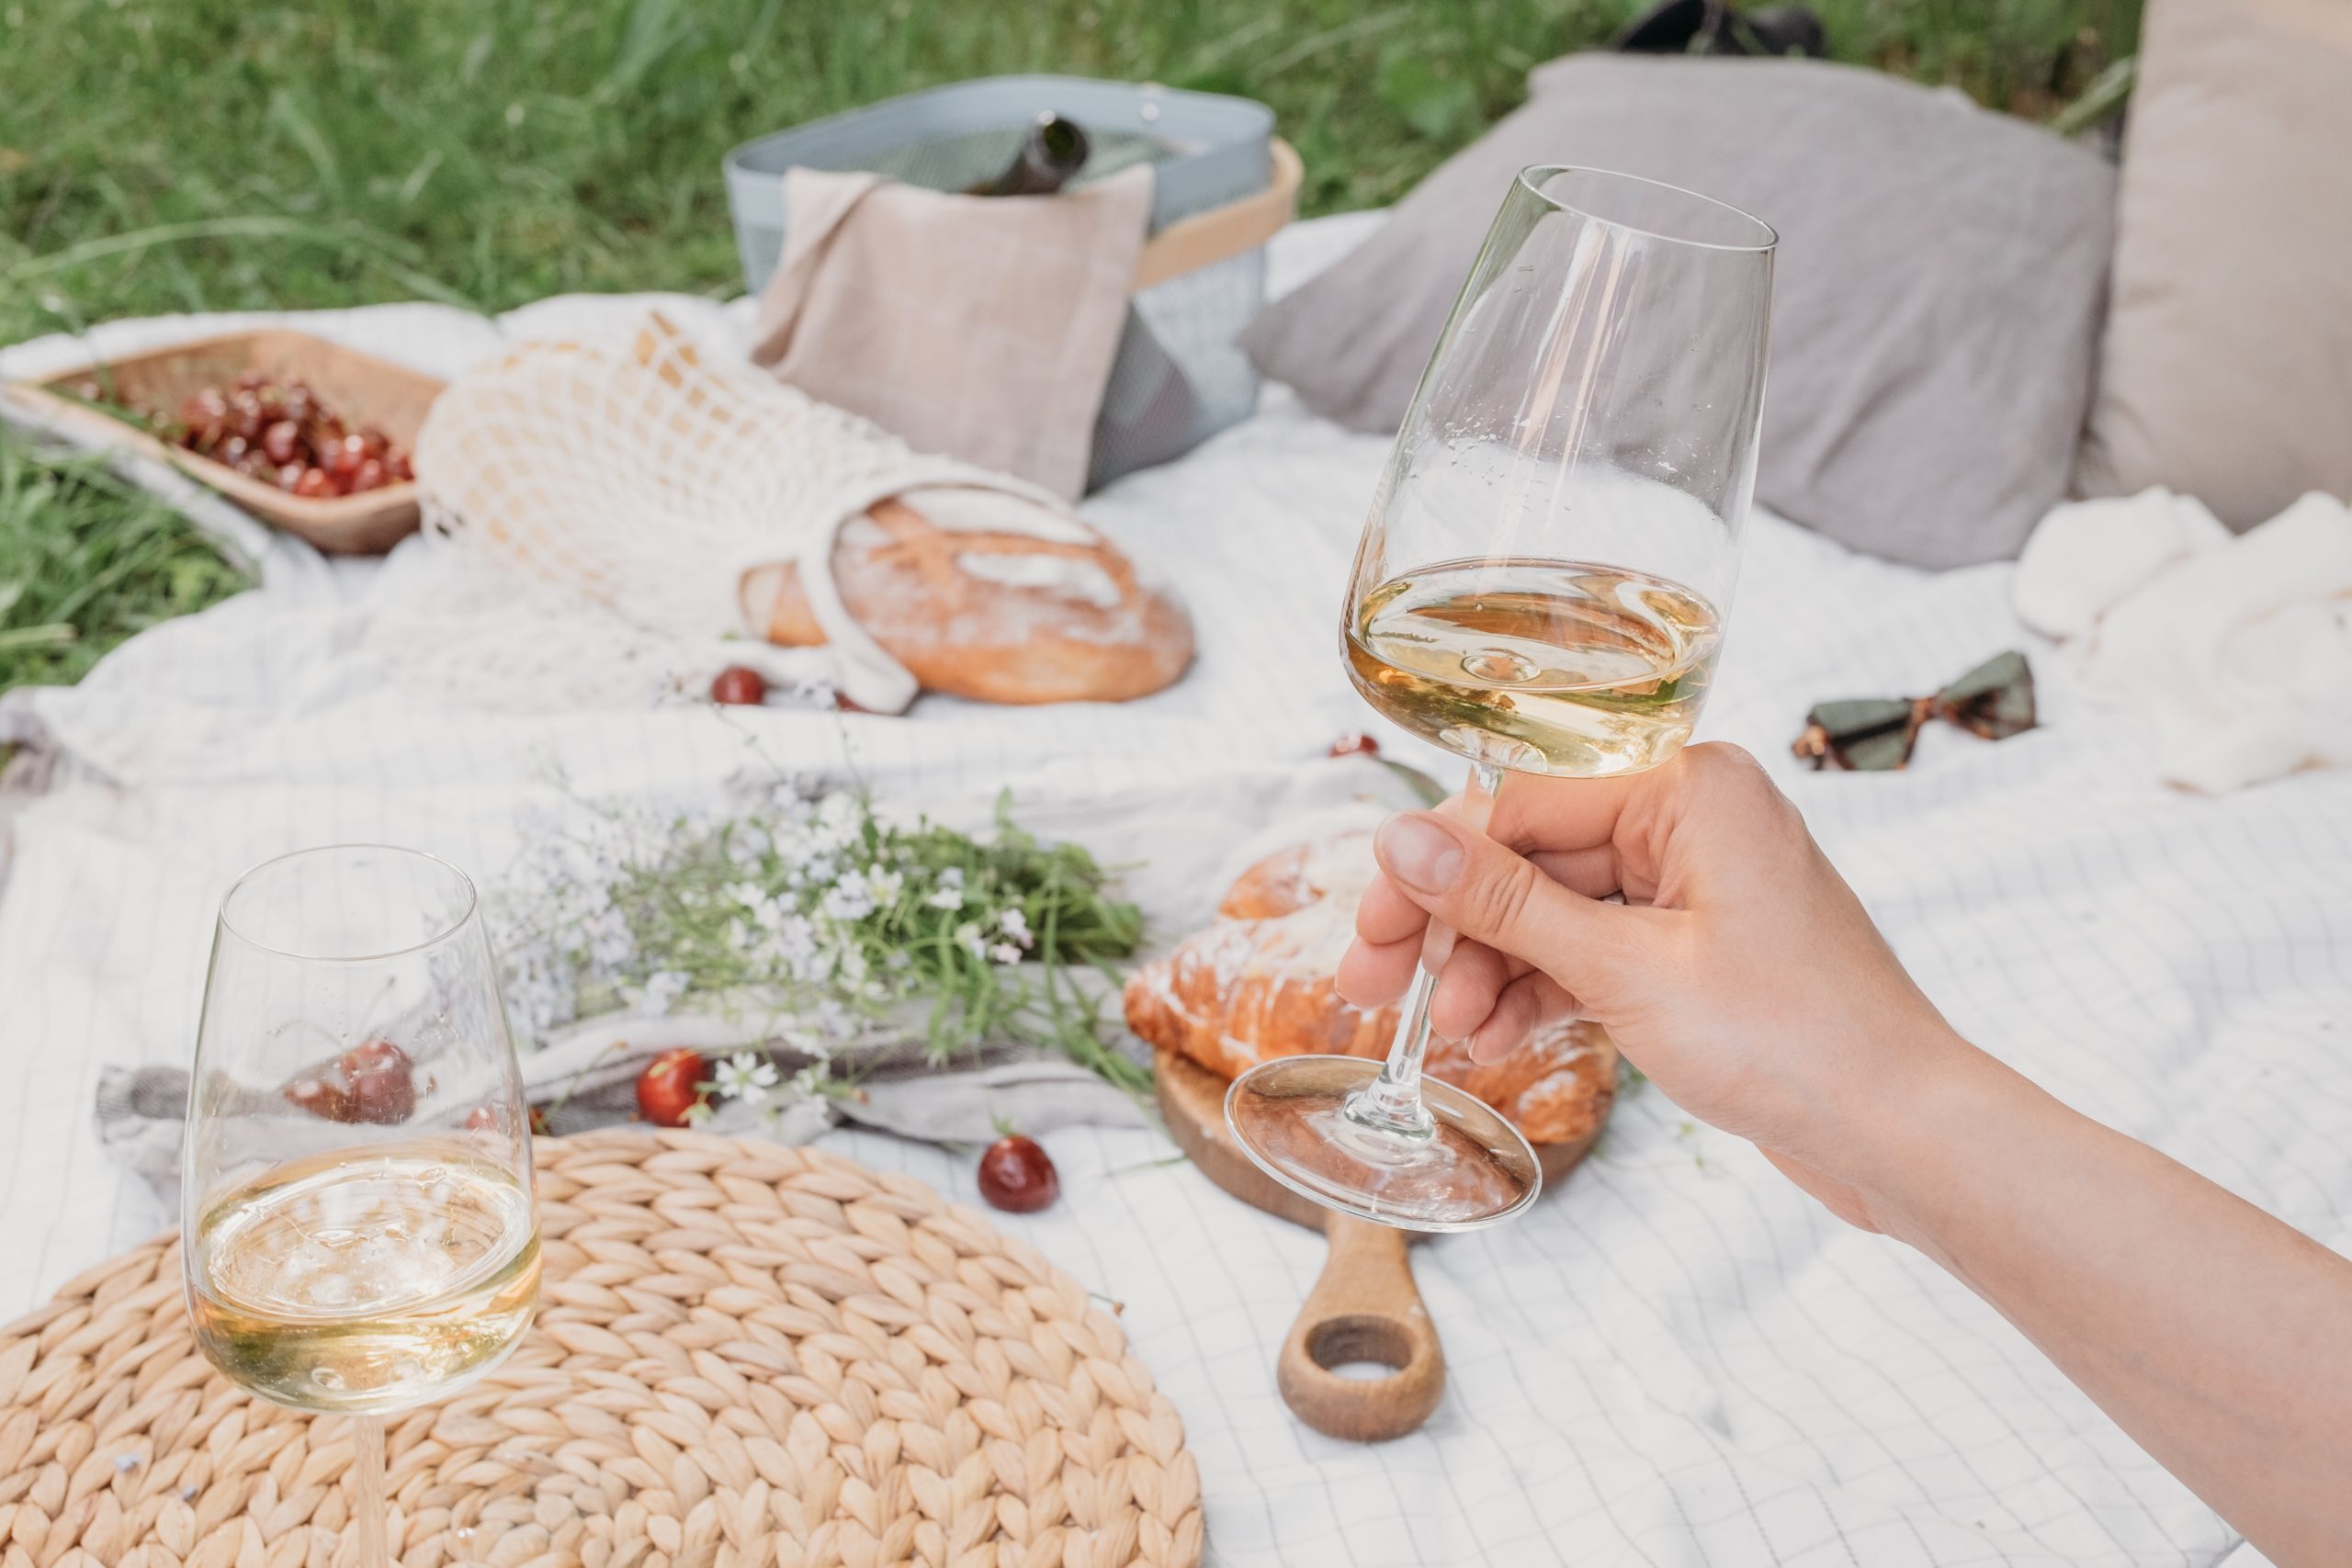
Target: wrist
[1922,1143]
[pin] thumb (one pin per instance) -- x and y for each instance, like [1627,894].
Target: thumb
[1487,893]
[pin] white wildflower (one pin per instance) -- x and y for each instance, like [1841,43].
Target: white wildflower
[850,898]
[751,895]
[1005,952]
[658,994]
[610,941]
[886,886]
[949,894]
[1016,925]
[793,942]
[840,821]
[745,1077]
[968,937]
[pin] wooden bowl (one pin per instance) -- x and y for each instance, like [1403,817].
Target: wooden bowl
[361,388]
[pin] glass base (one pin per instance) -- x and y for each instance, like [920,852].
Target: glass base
[1298,1119]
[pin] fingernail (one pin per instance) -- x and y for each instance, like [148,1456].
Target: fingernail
[1418,853]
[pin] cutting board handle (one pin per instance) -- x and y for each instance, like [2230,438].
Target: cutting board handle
[1364,1308]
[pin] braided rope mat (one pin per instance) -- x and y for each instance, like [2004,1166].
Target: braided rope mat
[744,1355]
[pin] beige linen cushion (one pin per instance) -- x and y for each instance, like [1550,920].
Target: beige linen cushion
[2227,368]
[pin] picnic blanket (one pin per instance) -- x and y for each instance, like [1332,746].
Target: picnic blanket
[1676,1357]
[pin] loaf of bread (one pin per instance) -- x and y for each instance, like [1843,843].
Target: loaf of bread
[1258,982]
[1000,617]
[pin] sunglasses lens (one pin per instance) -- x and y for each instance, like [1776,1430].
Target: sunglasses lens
[1860,716]
[1994,700]
[1869,734]
[1882,752]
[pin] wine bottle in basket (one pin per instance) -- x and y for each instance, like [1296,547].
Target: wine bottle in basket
[1051,155]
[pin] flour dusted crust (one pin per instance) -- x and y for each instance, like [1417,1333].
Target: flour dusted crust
[998,616]
[1257,982]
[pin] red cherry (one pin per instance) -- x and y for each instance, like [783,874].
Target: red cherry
[347,455]
[289,475]
[282,441]
[370,475]
[670,1087]
[382,1089]
[1017,1176]
[540,1126]
[482,1119]
[740,686]
[368,1083]
[321,1099]
[315,485]
[1354,744]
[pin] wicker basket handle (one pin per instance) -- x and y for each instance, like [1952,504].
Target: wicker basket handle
[1191,243]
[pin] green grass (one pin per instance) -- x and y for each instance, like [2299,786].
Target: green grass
[161,155]
[87,561]
[183,154]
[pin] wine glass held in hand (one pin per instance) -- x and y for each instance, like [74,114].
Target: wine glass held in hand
[1540,587]
[358,1226]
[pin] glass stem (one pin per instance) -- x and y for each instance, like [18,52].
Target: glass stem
[1392,1103]
[367,1476]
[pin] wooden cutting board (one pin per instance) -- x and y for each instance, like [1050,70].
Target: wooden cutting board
[1365,1308]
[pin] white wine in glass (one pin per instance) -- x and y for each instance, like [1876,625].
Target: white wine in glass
[358,1232]
[1541,587]
[355,1285]
[1570,669]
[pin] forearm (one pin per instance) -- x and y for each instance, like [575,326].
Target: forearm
[2218,1338]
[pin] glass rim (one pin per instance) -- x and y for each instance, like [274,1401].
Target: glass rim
[1532,178]
[464,916]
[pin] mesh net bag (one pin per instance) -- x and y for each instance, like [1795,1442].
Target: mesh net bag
[646,478]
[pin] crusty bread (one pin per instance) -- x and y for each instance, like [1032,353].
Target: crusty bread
[1257,982]
[1003,618]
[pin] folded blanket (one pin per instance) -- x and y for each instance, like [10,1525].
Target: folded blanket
[2238,647]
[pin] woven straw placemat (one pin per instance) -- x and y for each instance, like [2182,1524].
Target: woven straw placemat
[745,1354]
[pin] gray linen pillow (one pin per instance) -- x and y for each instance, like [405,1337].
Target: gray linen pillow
[1940,285]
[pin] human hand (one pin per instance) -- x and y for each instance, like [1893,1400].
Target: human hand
[1741,974]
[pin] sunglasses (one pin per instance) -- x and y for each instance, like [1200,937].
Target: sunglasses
[1876,734]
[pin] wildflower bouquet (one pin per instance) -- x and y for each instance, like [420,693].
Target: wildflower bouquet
[825,926]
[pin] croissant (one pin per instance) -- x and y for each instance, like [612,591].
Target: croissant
[1258,982]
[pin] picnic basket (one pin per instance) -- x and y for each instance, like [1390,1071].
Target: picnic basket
[1223,185]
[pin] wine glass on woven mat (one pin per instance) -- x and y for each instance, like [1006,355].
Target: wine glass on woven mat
[357,1220]
[1541,587]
